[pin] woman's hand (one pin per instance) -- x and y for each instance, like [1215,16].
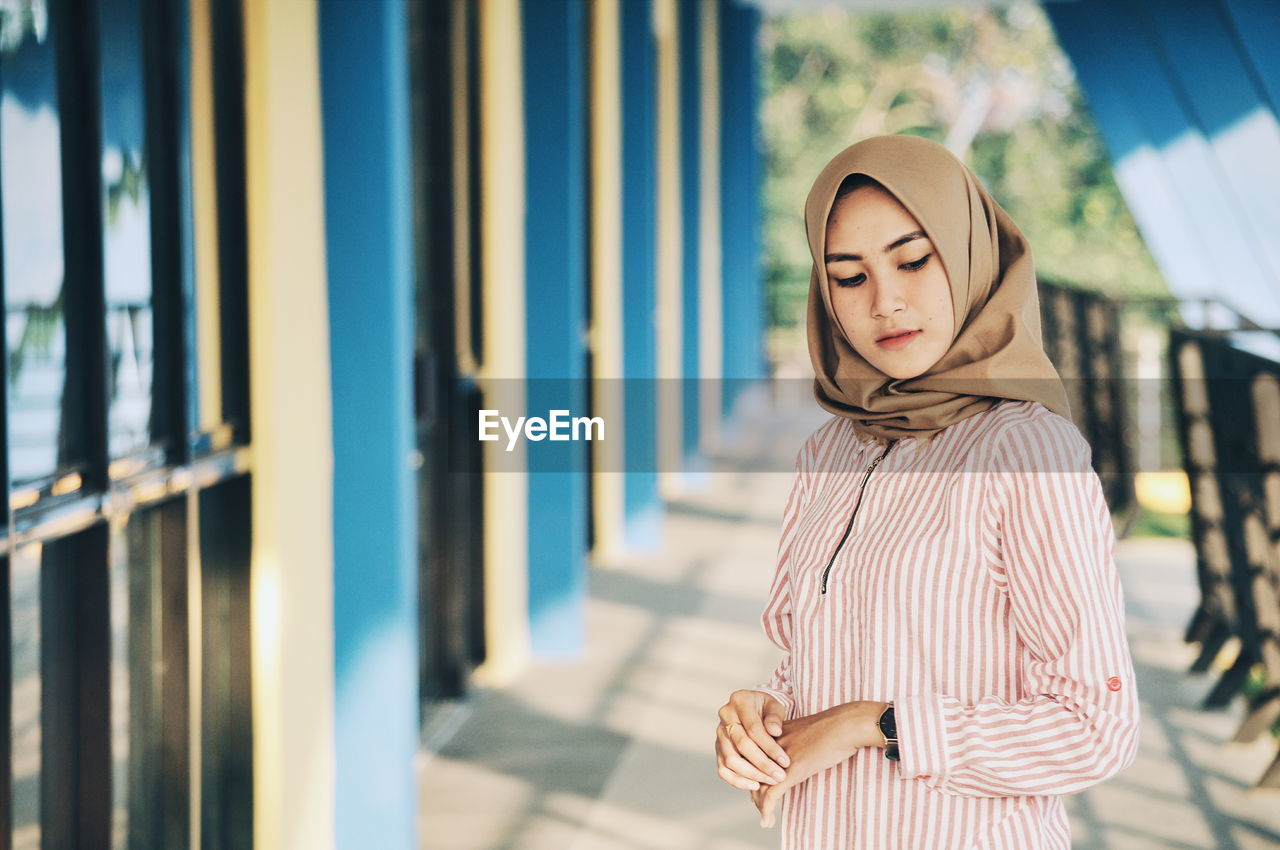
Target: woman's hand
[819,741]
[746,752]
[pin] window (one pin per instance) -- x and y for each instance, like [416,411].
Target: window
[125,412]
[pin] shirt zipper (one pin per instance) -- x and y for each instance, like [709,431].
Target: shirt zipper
[857,504]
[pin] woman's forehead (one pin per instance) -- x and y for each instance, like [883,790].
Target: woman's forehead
[869,213]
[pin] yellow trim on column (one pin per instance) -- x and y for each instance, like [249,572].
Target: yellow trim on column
[669,250]
[293,678]
[502,372]
[605,337]
[205,220]
[710,273]
[204,202]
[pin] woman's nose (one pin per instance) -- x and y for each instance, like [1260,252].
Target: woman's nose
[888,299]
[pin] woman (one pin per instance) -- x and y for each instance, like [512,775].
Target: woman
[946,592]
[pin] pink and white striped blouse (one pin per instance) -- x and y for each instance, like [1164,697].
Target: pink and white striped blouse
[976,588]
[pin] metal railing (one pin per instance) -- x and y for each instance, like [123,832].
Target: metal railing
[1228,420]
[1082,336]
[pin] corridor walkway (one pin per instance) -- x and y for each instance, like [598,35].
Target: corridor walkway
[614,751]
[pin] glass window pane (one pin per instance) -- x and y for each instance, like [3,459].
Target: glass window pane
[31,203]
[126,228]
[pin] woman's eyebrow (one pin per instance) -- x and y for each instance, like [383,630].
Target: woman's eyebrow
[901,240]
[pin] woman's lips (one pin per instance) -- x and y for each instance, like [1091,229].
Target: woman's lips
[898,341]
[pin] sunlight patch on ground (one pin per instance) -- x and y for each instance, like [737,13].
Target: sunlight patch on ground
[1166,492]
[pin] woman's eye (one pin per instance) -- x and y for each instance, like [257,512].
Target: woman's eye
[913,266]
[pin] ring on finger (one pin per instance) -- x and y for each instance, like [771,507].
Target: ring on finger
[728,729]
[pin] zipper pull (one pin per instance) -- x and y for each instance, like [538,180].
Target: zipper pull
[876,461]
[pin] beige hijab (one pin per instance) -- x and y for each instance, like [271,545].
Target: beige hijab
[996,351]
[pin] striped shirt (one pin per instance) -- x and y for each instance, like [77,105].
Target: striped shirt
[976,588]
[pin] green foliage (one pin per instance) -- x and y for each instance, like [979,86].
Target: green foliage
[38,331]
[127,186]
[834,77]
[1161,524]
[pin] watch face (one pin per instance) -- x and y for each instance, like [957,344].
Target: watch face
[888,725]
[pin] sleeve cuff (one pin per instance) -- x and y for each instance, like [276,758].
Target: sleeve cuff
[788,704]
[922,738]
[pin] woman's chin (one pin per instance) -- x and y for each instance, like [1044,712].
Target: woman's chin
[905,367]
[900,371]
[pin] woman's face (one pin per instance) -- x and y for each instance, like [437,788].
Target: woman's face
[885,278]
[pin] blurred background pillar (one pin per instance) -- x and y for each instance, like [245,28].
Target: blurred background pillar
[741,175]
[670,295]
[710,291]
[364,73]
[502,207]
[605,222]
[642,505]
[689,32]
[555,87]
[292,601]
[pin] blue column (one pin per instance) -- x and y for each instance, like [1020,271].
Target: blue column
[689,34]
[554,49]
[740,182]
[364,78]
[642,506]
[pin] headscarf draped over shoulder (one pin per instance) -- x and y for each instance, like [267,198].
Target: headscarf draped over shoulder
[996,351]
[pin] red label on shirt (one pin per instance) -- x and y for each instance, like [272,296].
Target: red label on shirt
[1113,683]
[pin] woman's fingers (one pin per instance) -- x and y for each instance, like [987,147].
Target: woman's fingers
[749,757]
[766,799]
[737,781]
[773,717]
[761,715]
[731,756]
[768,807]
[764,742]
[745,742]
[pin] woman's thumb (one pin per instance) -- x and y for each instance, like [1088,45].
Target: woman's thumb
[773,718]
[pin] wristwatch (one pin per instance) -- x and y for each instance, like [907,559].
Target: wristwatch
[889,730]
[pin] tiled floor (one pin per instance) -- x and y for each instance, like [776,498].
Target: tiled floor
[614,750]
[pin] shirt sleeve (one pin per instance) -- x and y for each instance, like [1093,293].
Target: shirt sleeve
[1076,722]
[776,619]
